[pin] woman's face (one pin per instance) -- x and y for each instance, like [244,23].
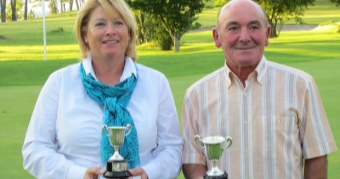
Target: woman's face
[107,37]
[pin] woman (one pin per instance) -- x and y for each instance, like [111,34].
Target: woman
[64,138]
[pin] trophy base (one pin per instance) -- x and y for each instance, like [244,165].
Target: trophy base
[116,169]
[116,175]
[224,176]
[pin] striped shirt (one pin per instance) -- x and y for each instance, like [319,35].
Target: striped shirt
[276,121]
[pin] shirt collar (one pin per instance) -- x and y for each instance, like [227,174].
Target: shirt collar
[260,69]
[129,67]
[227,74]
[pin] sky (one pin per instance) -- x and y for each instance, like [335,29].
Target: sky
[38,11]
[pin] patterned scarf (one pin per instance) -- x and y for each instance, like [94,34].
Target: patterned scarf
[115,100]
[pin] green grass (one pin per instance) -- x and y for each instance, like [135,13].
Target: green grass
[23,70]
[21,82]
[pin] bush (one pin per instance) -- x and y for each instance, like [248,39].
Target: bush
[57,30]
[163,38]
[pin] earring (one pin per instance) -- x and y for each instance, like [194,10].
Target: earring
[85,41]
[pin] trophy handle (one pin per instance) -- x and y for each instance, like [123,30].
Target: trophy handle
[198,140]
[105,131]
[128,128]
[229,140]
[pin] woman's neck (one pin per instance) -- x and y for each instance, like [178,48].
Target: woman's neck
[108,71]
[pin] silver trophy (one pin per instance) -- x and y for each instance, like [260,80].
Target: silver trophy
[116,166]
[214,147]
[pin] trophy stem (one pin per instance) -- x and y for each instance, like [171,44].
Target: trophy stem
[116,156]
[214,163]
[215,172]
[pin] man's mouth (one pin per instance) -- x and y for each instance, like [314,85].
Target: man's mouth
[244,48]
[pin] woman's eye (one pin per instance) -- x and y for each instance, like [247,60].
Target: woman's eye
[118,23]
[100,24]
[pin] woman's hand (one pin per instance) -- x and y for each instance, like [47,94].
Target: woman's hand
[93,172]
[138,172]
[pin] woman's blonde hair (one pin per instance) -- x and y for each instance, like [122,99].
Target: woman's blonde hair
[84,16]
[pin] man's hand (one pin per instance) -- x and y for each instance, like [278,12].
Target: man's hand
[93,172]
[316,168]
[138,172]
[194,171]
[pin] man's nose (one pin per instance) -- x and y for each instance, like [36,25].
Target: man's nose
[244,36]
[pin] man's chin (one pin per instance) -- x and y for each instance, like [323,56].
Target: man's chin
[245,61]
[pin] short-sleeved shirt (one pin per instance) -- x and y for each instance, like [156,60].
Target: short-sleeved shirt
[276,121]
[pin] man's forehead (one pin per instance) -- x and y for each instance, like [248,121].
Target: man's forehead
[242,10]
[239,6]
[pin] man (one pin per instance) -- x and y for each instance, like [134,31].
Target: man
[273,113]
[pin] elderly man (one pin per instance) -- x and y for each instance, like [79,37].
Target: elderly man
[273,112]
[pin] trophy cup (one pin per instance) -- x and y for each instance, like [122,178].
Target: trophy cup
[214,147]
[116,166]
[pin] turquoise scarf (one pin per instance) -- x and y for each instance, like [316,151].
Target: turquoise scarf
[115,100]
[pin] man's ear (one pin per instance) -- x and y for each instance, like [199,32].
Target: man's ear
[216,37]
[268,32]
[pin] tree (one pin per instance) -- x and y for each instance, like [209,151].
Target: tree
[25,10]
[145,23]
[71,4]
[62,6]
[177,16]
[77,4]
[53,6]
[279,11]
[163,37]
[3,10]
[13,8]
[220,3]
[17,14]
[31,14]
[337,2]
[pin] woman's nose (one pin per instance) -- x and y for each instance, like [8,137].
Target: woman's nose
[110,30]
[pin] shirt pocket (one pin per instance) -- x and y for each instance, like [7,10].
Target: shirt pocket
[277,136]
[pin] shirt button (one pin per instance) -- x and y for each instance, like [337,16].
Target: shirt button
[244,94]
[245,122]
[245,151]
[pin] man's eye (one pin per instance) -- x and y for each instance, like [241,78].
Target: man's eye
[254,27]
[232,28]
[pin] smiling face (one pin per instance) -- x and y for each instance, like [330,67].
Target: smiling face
[242,32]
[107,36]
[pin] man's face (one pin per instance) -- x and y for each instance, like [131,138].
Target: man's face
[242,33]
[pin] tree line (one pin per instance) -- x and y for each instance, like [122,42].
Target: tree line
[11,10]
[166,21]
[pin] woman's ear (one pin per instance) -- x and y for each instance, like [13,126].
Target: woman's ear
[85,37]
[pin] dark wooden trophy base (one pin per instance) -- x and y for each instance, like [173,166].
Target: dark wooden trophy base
[115,174]
[224,176]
